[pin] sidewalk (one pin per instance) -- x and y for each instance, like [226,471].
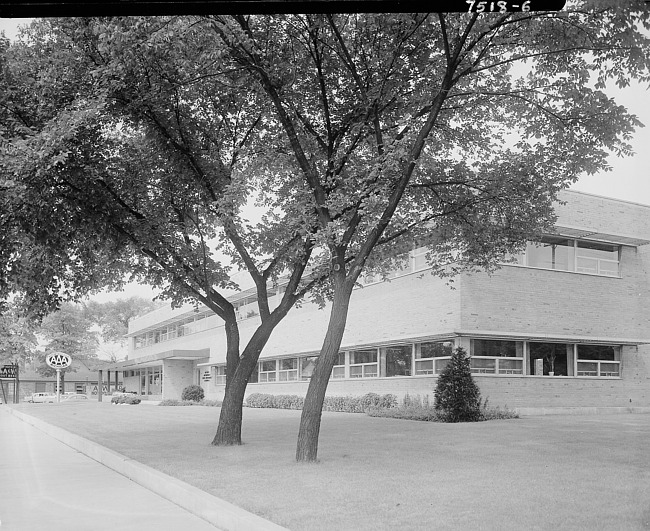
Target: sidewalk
[45,484]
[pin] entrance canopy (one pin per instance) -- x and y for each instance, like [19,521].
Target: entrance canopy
[155,359]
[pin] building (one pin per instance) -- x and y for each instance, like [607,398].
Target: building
[567,325]
[80,378]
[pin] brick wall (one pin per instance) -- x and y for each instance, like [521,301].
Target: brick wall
[610,216]
[405,308]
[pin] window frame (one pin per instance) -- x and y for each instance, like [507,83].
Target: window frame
[367,369]
[497,364]
[437,362]
[524,259]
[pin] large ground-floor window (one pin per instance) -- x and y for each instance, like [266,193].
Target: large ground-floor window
[431,357]
[598,360]
[363,363]
[498,357]
[491,356]
[399,360]
[551,359]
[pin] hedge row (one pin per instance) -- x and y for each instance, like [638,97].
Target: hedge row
[345,404]
[204,402]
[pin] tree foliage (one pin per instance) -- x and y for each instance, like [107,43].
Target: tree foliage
[113,316]
[67,330]
[17,338]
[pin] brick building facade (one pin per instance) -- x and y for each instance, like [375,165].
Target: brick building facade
[566,325]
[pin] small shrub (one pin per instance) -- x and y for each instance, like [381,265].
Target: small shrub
[210,403]
[131,400]
[457,397]
[193,392]
[170,402]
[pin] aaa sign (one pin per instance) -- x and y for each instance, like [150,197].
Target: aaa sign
[58,360]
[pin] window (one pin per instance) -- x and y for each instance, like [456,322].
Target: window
[551,253]
[220,375]
[564,254]
[553,358]
[338,370]
[597,258]
[267,371]
[497,356]
[307,366]
[288,370]
[419,259]
[363,364]
[399,360]
[431,358]
[598,360]
[415,260]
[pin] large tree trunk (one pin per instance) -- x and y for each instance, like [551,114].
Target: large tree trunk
[307,448]
[230,419]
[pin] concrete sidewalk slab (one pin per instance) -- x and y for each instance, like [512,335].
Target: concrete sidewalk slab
[45,484]
[52,479]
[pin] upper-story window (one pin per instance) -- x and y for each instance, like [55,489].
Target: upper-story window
[566,254]
[416,261]
[183,327]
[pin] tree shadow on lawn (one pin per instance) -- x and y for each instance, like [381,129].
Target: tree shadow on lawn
[377,473]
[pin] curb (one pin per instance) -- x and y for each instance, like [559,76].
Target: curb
[218,512]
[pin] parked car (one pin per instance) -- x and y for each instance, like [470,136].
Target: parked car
[73,398]
[41,397]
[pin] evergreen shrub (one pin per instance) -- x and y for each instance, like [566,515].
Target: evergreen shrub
[193,392]
[457,397]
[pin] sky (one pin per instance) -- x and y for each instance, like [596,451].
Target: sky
[628,180]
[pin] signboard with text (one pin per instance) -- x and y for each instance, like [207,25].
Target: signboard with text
[9,372]
[58,360]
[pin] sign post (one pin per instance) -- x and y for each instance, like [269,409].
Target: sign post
[58,361]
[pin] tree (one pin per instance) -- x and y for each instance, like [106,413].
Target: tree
[67,330]
[456,395]
[130,158]
[17,339]
[420,124]
[113,317]
[360,134]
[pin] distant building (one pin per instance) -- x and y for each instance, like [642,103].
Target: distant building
[567,325]
[80,378]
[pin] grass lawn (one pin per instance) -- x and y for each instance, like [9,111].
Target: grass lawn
[554,472]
